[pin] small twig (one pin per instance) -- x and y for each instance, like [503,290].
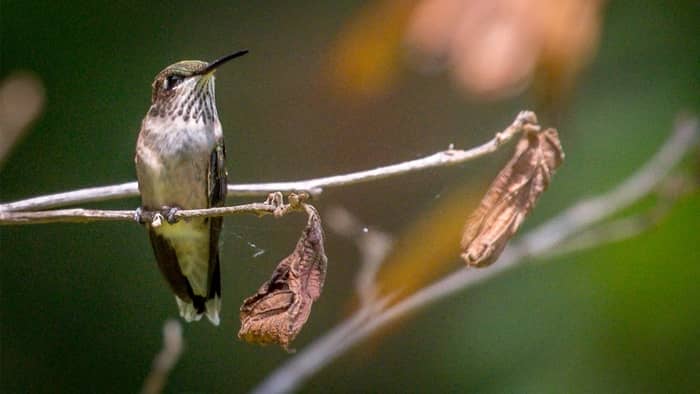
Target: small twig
[524,120]
[81,196]
[373,247]
[166,359]
[534,244]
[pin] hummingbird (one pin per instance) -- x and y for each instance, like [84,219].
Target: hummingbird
[180,164]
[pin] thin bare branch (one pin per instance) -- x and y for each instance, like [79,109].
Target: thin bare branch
[79,215]
[525,119]
[673,187]
[536,243]
[440,159]
[603,234]
[166,359]
[81,196]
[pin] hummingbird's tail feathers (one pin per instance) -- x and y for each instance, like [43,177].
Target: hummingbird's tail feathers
[213,306]
[188,311]
[213,303]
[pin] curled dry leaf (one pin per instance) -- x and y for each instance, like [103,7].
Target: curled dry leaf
[511,197]
[280,308]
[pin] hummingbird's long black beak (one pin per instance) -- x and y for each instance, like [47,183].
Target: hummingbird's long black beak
[216,63]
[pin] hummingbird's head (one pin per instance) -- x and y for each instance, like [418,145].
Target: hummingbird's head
[186,89]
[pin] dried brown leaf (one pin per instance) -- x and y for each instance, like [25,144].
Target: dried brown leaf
[280,308]
[511,197]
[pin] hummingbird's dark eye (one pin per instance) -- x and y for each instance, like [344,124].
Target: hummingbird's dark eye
[172,81]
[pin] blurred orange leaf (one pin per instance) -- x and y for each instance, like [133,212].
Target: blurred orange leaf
[493,49]
[364,59]
[429,247]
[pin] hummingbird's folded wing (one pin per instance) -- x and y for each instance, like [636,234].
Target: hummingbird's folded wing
[169,266]
[217,176]
[217,197]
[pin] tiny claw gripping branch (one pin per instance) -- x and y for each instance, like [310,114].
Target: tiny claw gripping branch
[138,216]
[169,213]
[281,306]
[152,218]
[511,196]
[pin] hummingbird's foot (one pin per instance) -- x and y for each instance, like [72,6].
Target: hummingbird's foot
[138,216]
[169,214]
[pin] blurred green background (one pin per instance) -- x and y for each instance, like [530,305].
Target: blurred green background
[82,306]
